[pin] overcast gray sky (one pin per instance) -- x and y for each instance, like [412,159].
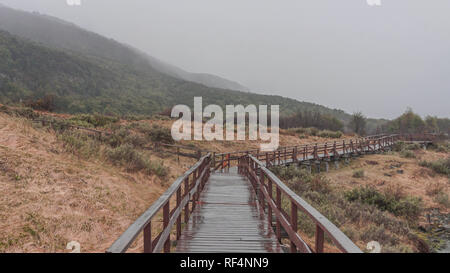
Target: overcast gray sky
[340,53]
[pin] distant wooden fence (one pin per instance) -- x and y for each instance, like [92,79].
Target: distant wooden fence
[51,123]
[321,151]
[283,155]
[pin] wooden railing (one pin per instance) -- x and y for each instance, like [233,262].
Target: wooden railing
[52,123]
[186,190]
[266,184]
[322,151]
[269,188]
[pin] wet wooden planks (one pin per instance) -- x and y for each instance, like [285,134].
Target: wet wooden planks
[227,219]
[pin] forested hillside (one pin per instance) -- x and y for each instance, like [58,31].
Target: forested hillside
[81,71]
[59,34]
[29,71]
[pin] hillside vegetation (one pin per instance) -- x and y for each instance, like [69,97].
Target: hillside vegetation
[59,34]
[88,73]
[79,84]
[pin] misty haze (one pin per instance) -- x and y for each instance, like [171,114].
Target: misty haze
[324,52]
[225,126]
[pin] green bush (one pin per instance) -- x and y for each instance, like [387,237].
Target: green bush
[359,173]
[161,134]
[399,146]
[410,207]
[441,166]
[80,144]
[24,112]
[93,120]
[158,168]
[407,154]
[125,155]
[313,131]
[346,215]
[330,134]
[300,180]
[441,147]
[135,140]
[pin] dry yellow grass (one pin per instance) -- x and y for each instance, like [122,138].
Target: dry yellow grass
[50,197]
[394,173]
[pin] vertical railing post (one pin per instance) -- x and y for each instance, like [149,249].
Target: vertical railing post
[148,248]
[319,239]
[166,212]
[194,181]
[278,202]
[186,207]
[293,224]
[179,216]
[261,186]
[269,207]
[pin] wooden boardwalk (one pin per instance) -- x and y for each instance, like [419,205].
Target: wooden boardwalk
[234,211]
[227,218]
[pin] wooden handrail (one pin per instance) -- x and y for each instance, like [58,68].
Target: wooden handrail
[200,172]
[249,165]
[325,150]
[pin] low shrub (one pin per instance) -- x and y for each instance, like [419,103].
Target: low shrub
[26,113]
[158,168]
[347,216]
[93,120]
[79,144]
[441,166]
[442,198]
[443,147]
[125,155]
[358,173]
[407,154]
[399,146]
[135,140]
[409,206]
[330,134]
[312,131]
[161,134]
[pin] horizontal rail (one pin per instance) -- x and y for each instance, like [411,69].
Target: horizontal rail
[249,166]
[319,151]
[200,172]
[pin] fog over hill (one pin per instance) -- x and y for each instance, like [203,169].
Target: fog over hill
[87,73]
[340,54]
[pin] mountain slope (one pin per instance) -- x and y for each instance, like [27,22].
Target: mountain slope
[87,84]
[59,34]
[87,72]
[202,78]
